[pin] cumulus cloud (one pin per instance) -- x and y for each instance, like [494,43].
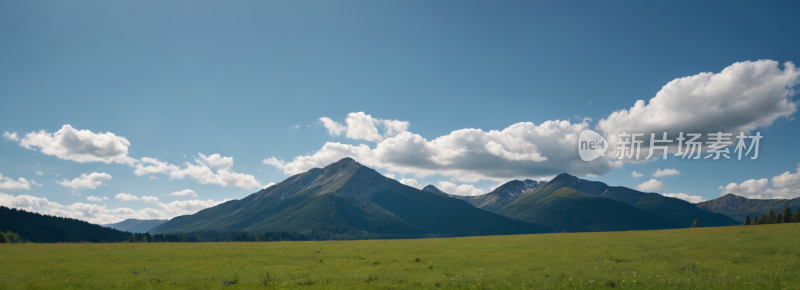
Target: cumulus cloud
[666,172]
[463,190]
[411,182]
[784,186]
[101,214]
[362,126]
[742,97]
[215,161]
[185,192]
[686,197]
[10,183]
[522,150]
[636,174]
[274,162]
[78,145]
[91,181]
[392,127]
[11,136]
[365,127]
[39,173]
[150,199]
[201,171]
[96,198]
[126,197]
[334,129]
[651,185]
[269,184]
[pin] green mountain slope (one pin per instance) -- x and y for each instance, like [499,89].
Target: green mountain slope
[134,225]
[348,200]
[674,209]
[565,208]
[737,207]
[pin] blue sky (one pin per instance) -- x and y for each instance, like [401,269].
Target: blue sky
[250,80]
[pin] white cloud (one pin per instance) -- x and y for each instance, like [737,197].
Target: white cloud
[411,182]
[101,214]
[651,185]
[784,186]
[686,197]
[96,198]
[37,184]
[79,145]
[666,172]
[528,154]
[749,188]
[185,192]
[215,160]
[126,197]
[9,183]
[742,97]
[463,190]
[150,199]
[522,150]
[392,127]
[269,184]
[274,162]
[389,175]
[362,126]
[636,175]
[154,177]
[91,181]
[334,129]
[201,171]
[11,136]
[39,173]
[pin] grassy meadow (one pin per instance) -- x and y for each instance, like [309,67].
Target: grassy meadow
[751,257]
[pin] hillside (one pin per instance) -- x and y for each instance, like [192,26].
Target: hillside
[737,207]
[566,209]
[40,228]
[674,209]
[134,225]
[347,200]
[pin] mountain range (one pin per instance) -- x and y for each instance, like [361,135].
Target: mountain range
[737,207]
[573,204]
[346,200]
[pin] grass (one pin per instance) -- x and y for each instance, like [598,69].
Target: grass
[753,257]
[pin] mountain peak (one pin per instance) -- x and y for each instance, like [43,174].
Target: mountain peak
[343,162]
[565,176]
[434,190]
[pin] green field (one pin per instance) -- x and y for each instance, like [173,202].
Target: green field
[752,257]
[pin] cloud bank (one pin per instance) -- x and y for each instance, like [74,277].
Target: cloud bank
[202,171]
[522,150]
[784,186]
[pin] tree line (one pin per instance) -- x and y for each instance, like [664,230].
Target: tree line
[770,218]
